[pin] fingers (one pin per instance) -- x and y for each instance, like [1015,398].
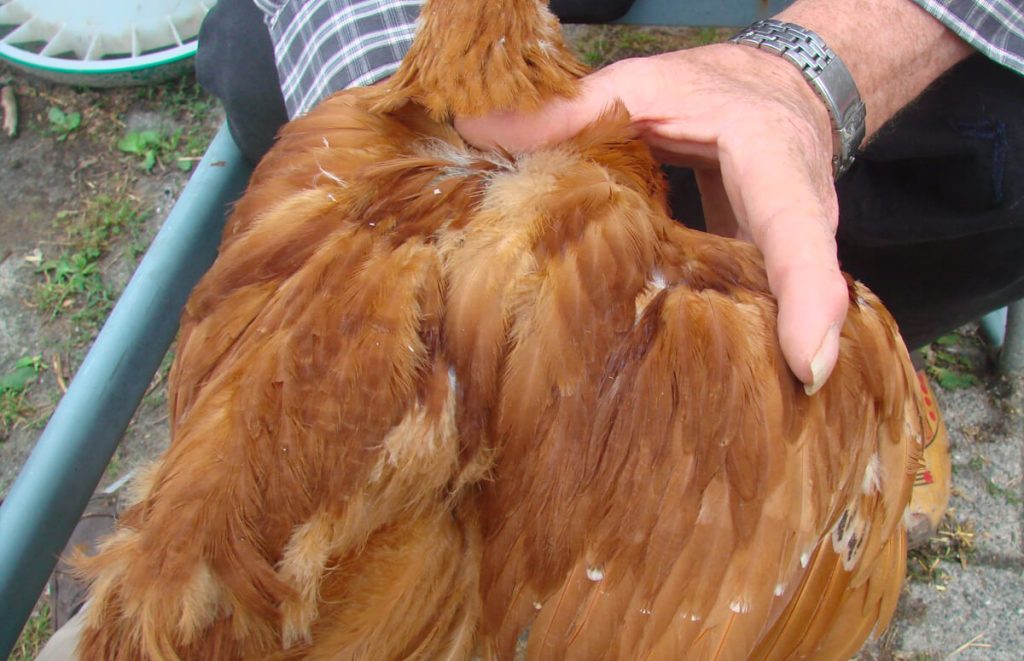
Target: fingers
[555,122]
[517,132]
[788,206]
[803,273]
[759,140]
[812,307]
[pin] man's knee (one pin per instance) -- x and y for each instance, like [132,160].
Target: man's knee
[235,63]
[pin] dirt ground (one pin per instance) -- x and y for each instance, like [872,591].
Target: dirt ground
[78,212]
[81,198]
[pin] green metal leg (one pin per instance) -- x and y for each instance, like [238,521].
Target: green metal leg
[54,486]
[1004,330]
[1011,357]
[723,13]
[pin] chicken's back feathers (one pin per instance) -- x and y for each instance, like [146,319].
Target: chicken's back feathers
[429,398]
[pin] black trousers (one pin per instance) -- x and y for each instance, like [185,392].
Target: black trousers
[931,213]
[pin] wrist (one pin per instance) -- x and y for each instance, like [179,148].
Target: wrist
[893,48]
[826,74]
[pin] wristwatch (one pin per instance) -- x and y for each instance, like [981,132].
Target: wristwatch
[825,72]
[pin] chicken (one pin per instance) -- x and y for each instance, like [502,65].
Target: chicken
[429,398]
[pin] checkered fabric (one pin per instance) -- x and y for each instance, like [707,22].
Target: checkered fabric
[994,27]
[322,46]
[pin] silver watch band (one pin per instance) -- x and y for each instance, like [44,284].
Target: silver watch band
[825,72]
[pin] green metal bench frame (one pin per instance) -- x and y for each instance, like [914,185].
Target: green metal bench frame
[61,474]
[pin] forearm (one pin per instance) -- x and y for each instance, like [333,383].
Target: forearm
[893,48]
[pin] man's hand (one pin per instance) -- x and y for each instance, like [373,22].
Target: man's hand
[759,140]
[760,143]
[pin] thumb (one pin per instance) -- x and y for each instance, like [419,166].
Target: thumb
[554,122]
[812,307]
[803,272]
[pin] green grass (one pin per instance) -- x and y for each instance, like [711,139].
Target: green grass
[707,35]
[151,146]
[953,542]
[62,124]
[14,386]
[948,363]
[611,43]
[189,105]
[34,635]
[598,46]
[71,280]
[636,40]
[998,491]
[114,467]
[156,395]
[978,464]
[594,52]
[182,97]
[193,149]
[14,410]
[166,149]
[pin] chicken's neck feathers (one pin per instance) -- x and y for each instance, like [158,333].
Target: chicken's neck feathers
[473,57]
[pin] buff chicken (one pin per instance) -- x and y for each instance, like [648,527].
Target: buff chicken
[434,402]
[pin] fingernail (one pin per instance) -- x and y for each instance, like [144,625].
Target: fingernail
[826,356]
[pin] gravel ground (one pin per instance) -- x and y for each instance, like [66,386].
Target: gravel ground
[973,610]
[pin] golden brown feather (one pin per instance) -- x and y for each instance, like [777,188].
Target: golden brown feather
[428,398]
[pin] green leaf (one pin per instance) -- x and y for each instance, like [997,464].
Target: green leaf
[951,380]
[63,123]
[139,142]
[947,340]
[184,165]
[35,362]
[149,160]
[131,143]
[16,380]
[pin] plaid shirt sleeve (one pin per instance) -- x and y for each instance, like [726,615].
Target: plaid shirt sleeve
[322,46]
[994,27]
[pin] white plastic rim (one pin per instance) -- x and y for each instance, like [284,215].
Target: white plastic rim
[101,42]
